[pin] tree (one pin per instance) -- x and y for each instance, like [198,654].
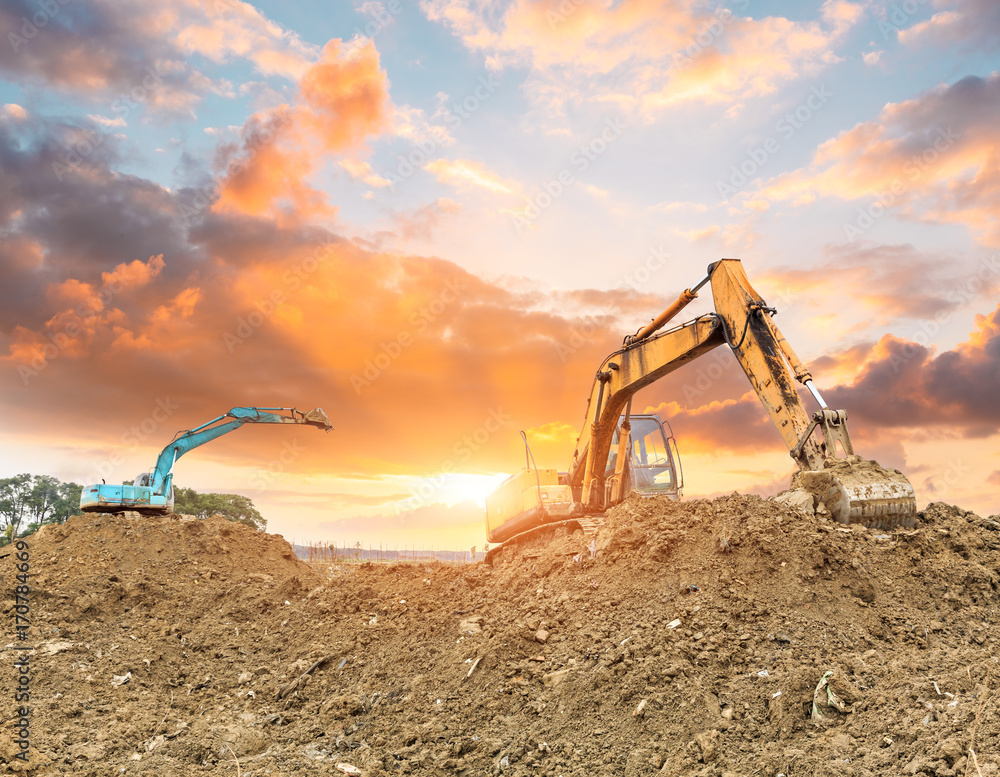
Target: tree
[235,507]
[43,498]
[68,503]
[28,502]
[15,497]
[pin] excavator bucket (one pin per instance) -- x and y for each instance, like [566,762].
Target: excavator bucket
[318,418]
[857,490]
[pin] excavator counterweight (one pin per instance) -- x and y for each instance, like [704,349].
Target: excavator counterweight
[851,489]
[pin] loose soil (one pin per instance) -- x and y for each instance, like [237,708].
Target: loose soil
[730,637]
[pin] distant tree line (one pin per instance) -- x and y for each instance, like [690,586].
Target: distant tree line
[28,502]
[232,506]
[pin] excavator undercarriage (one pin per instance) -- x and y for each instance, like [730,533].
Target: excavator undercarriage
[606,465]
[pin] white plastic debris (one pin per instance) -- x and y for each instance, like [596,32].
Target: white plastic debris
[349,769]
[674,623]
[121,679]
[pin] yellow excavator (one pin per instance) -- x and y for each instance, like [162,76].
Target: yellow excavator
[617,453]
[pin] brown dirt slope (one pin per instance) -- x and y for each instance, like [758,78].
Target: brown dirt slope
[691,641]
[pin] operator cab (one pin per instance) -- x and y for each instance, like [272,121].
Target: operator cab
[656,462]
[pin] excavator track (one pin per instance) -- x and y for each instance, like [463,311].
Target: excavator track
[529,544]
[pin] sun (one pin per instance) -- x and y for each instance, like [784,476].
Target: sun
[459,487]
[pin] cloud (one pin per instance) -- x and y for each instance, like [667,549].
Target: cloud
[236,308]
[872,58]
[899,386]
[904,384]
[342,100]
[107,50]
[964,24]
[933,158]
[333,499]
[464,173]
[363,171]
[879,283]
[645,56]
[421,223]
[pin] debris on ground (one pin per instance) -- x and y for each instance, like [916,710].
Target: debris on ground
[708,638]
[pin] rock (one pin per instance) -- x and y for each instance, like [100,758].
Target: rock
[708,742]
[542,636]
[797,499]
[554,679]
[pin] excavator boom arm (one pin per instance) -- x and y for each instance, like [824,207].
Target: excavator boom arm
[767,360]
[238,416]
[621,375]
[151,493]
[849,488]
[743,321]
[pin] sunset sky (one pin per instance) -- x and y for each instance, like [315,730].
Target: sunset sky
[434,219]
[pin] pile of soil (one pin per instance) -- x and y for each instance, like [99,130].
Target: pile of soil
[736,636]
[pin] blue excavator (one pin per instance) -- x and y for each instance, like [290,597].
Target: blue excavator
[152,493]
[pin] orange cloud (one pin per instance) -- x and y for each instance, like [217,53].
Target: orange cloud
[646,55]
[464,173]
[896,386]
[933,158]
[343,99]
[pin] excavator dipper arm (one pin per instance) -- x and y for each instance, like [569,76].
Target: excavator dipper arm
[238,416]
[853,489]
[152,492]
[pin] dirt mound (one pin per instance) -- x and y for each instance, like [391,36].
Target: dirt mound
[728,637]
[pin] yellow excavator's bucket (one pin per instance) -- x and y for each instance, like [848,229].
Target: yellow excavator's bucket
[857,490]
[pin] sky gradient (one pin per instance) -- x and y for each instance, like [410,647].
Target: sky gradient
[434,219]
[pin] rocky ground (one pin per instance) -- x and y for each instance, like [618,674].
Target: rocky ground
[737,636]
